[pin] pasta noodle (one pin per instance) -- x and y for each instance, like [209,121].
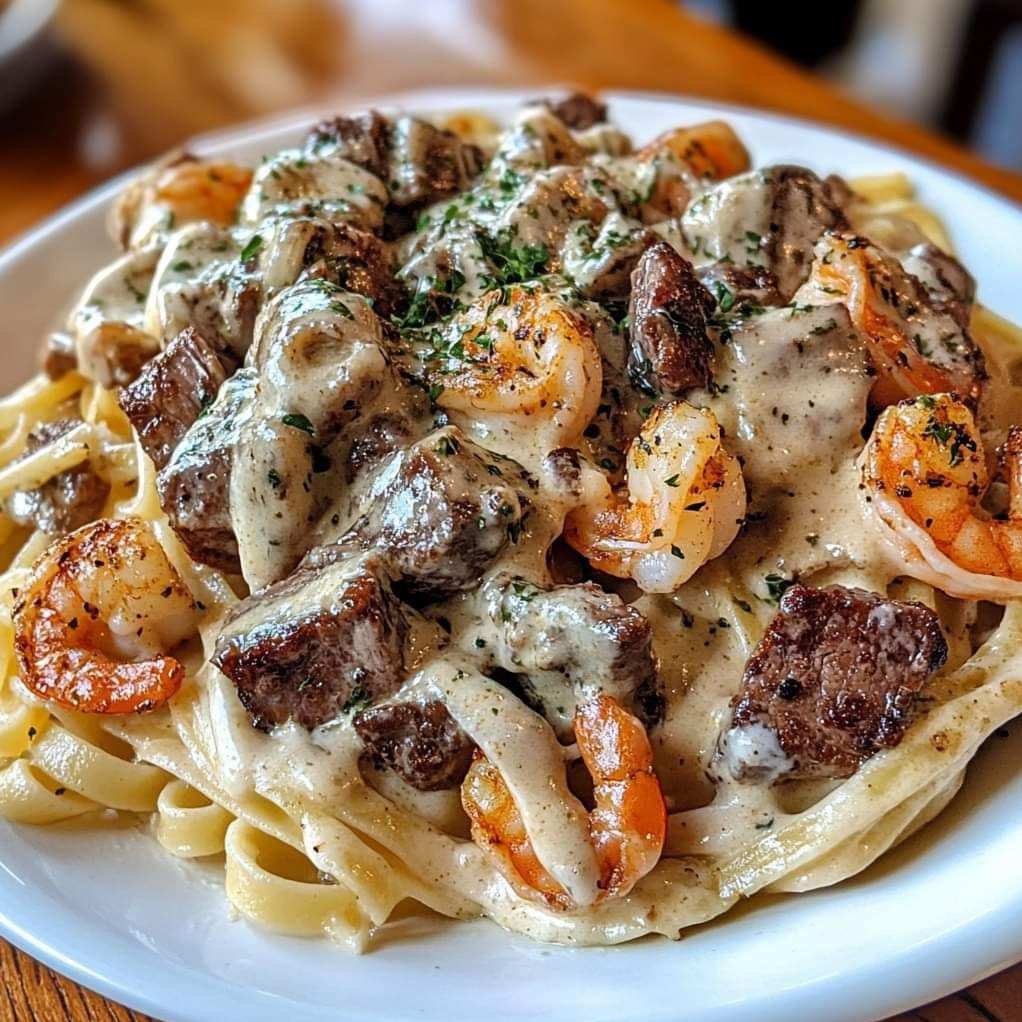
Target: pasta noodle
[315,838]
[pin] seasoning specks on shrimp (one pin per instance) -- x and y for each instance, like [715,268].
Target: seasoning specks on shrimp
[95,625]
[523,360]
[926,473]
[683,505]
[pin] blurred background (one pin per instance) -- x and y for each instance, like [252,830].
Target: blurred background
[88,87]
[954,65]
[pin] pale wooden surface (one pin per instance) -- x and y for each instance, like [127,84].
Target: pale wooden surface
[142,76]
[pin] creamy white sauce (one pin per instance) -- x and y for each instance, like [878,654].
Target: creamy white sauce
[523,748]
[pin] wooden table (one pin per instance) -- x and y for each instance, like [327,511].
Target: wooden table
[141,77]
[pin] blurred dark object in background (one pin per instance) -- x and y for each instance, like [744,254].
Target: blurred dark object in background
[985,105]
[804,33]
[953,65]
[26,46]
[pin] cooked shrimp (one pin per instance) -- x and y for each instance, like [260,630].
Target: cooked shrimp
[708,152]
[916,346]
[684,504]
[197,190]
[93,625]
[520,360]
[925,473]
[178,192]
[627,826]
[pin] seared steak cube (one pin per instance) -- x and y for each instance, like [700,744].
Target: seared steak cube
[590,637]
[670,348]
[70,499]
[170,393]
[419,741]
[832,682]
[802,208]
[194,486]
[441,511]
[577,110]
[418,162]
[322,642]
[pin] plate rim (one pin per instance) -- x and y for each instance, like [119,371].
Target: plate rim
[977,948]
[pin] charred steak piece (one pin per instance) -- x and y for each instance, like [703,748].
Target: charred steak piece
[589,636]
[419,163]
[441,511]
[70,499]
[577,110]
[171,392]
[320,643]
[347,256]
[58,355]
[670,348]
[832,681]
[950,285]
[364,139]
[419,741]
[802,208]
[194,486]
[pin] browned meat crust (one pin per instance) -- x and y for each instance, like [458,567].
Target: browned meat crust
[834,680]
[418,162]
[194,486]
[68,500]
[356,261]
[171,392]
[801,209]
[591,637]
[420,742]
[375,438]
[670,348]
[949,283]
[58,355]
[447,510]
[577,110]
[363,139]
[315,645]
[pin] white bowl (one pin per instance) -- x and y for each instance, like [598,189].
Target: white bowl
[104,905]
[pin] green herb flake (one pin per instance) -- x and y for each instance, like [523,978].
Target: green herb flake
[255,243]
[298,421]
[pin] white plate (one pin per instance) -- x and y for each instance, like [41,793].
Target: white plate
[108,908]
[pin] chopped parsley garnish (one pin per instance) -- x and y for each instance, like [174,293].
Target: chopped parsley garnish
[358,698]
[777,586]
[298,421]
[512,265]
[952,435]
[433,299]
[725,298]
[254,244]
